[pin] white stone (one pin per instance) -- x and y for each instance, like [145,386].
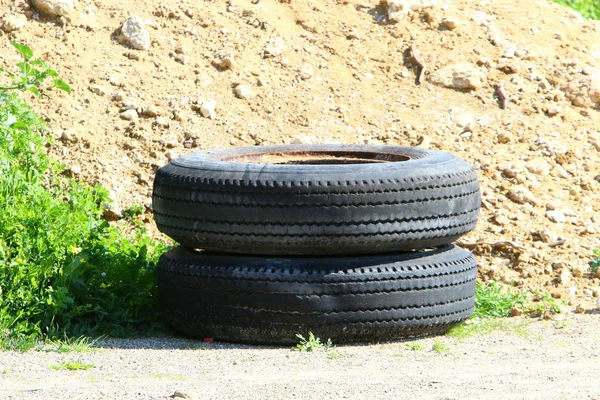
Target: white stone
[55,8]
[556,216]
[99,90]
[207,109]
[14,22]
[134,33]
[243,91]
[129,115]
[304,139]
[521,195]
[162,121]
[275,47]
[306,71]
[538,166]
[224,60]
[397,9]
[584,92]
[463,75]
[547,236]
[464,120]
[553,110]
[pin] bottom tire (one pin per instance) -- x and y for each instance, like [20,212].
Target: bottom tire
[347,299]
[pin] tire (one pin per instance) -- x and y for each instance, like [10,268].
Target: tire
[359,299]
[328,200]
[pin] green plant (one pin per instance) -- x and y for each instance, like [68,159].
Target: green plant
[133,211]
[72,366]
[439,347]
[415,346]
[485,326]
[32,73]
[312,343]
[595,264]
[81,344]
[64,271]
[495,300]
[587,8]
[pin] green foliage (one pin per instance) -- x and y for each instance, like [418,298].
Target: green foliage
[64,271]
[415,346]
[72,366]
[494,300]
[32,73]
[595,264]
[439,347]
[312,343]
[587,8]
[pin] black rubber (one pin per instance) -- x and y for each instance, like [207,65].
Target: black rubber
[363,200]
[348,299]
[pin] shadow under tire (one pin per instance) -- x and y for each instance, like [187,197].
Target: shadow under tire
[316,199]
[348,299]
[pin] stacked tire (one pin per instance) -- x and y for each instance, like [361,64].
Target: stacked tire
[350,242]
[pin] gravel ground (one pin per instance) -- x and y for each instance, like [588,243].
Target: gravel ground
[558,359]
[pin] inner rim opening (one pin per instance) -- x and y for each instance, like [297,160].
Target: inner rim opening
[318,158]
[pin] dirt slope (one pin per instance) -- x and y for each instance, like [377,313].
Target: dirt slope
[340,71]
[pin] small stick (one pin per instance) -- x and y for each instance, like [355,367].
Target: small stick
[414,55]
[500,243]
[502,96]
[557,243]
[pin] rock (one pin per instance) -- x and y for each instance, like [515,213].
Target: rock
[110,210]
[556,216]
[149,111]
[579,309]
[129,115]
[74,170]
[553,204]
[207,109]
[398,9]
[577,272]
[99,90]
[134,33]
[449,23]
[538,166]
[547,236]
[464,120]
[553,110]
[55,8]
[14,22]
[244,91]
[501,220]
[274,47]
[162,121]
[224,60]
[303,139]
[463,75]
[129,104]
[521,195]
[585,91]
[565,276]
[306,72]
[69,135]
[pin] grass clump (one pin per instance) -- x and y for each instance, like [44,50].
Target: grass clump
[72,366]
[494,300]
[64,271]
[312,343]
[595,263]
[587,8]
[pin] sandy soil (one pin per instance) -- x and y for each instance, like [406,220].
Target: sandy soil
[557,359]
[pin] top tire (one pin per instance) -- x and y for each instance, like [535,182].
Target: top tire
[316,199]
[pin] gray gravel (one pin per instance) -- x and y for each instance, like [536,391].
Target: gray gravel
[557,359]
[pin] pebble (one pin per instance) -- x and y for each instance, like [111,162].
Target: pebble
[162,121]
[521,195]
[129,115]
[547,236]
[306,71]
[553,110]
[207,109]
[54,8]
[577,272]
[502,220]
[463,75]
[69,135]
[579,309]
[244,91]
[224,60]
[449,23]
[99,90]
[556,216]
[110,210]
[14,22]
[565,276]
[584,92]
[134,33]
[274,47]
[304,139]
[538,166]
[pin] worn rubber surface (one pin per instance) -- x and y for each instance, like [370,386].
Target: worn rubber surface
[212,200]
[348,299]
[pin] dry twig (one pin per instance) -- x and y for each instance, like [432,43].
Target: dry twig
[500,243]
[414,55]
